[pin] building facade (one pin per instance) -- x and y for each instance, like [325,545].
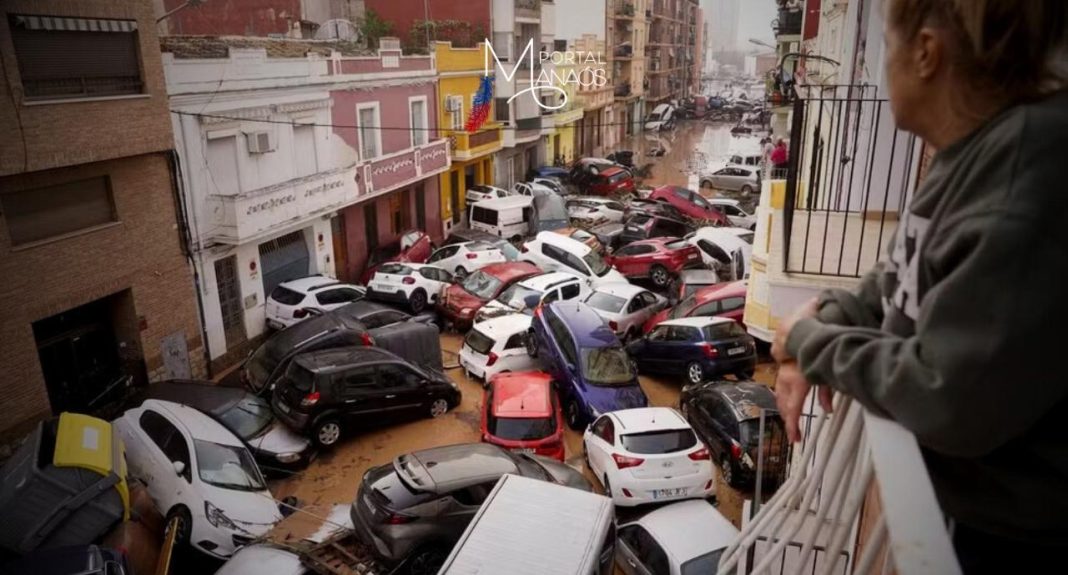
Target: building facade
[464,23]
[94,270]
[596,135]
[667,51]
[628,24]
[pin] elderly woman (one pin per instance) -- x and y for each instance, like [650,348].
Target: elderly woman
[956,335]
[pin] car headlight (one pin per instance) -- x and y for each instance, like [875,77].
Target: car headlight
[217,518]
[288,457]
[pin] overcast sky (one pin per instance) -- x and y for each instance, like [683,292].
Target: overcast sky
[755,21]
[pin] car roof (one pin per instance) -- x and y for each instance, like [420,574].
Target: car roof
[643,419]
[697,322]
[522,395]
[595,199]
[672,527]
[620,289]
[723,201]
[196,423]
[504,326]
[721,290]
[331,359]
[505,203]
[443,469]
[507,271]
[585,324]
[746,398]
[308,284]
[570,244]
[543,281]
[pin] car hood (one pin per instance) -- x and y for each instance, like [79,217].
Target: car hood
[458,298]
[613,276]
[497,309]
[606,399]
[277,439]
[564,474]
[253,511]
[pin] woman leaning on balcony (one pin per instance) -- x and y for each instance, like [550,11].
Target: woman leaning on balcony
[957,334]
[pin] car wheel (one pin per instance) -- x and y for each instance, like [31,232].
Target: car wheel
[461,273]
[426,561]
[417,301]
[531,343]
[747,190]
[327,432]
[695,373]
[661,277]
[573,415]
[727,469]
[439,407]
[185,524]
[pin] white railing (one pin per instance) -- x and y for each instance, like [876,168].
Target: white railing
[810,525]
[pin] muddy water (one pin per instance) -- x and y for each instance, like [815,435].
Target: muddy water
[691,148]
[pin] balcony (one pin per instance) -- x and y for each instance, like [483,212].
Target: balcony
[469,146]
[623,52]
[528,11]
[622,91]
[527,129]
[788,22]
[623,10]
[399,169]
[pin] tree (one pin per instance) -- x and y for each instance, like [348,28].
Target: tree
[374,28]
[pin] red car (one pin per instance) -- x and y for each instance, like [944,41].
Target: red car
[692,204]
[722,300]
[659,259]
[462,301]
[520,412]
[610,182]
[413,247]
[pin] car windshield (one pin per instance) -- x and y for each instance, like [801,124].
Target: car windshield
[520,429]
[606,302]
[529,467]
[619,177]
[683,307]
[707,563]
[596,263]
[286,296]
[248,417]
[606,366]
[701,202]
[662,441]
[478,341]
[727,330]
[516,296]
[482,285]
[227,466]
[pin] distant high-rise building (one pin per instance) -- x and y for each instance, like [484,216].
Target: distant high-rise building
[722,16]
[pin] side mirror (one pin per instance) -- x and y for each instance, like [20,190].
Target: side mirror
[531,301]
[179,468]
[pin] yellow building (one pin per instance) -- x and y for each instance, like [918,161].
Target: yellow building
[561,142]
[459,75]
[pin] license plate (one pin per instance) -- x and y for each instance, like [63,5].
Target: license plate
[526,450]
[664,493]
[283,407]
[735,350]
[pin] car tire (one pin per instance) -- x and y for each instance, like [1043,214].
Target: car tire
[417,301]
[695,374]
[660,276]
[426,561]
[460,273]
[531,343]
[185,524]
[747,190]
[573,415]
[439,407]
[326,433]
[726,468]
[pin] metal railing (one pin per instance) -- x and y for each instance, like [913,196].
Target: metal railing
[849,175]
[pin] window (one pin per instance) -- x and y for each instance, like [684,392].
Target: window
[443,253]
[397,377]
[714,251]
[384,318]
[479,342]
[396,212]
[648,298]
[574,262]
[42,213]
[355,381]
[370,135]
[474,495]
[636,304]
[660,333]
[98,57]
[484,215]
[417,116]
[605,302]
[502,110]
[710,308]
[517,341]
[167,438]
[456,117]
[335,296]
[570,291]
[732,303]
[304,157]
[222,165]
[652,556]
[605,429]
[659,442]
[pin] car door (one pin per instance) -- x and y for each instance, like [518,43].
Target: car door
[638,553]
[165,445]
[677,349]
[514,355]
[732,307]
[333,298]
[656,345]
[420,247]
[444,257]
[435,281]
[601,445]
[357,392]
[721,178]
[641,308]
[623,258]
[402,390]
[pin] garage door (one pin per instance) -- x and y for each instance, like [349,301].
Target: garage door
[282,259]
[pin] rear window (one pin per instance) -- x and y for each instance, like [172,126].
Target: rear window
[299,378]
[653,442]
[520,429]
[723,331]
[286,296]
[707,563]
[395,269]
[484,216]
[606,302]
[479,341]
[677,245]
[773,430]
[388,490]
[619,177]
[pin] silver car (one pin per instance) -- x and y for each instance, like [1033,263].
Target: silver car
[744,179]
[625,307]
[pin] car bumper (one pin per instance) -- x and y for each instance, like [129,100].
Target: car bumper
[295,420]
[218,541]
[397,296]
[459,322]
[725,365]
[268,462]
[692,486]
[474,367]
[381,549]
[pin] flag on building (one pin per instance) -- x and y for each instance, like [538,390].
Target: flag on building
[480,107]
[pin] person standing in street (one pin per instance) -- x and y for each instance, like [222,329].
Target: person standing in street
[957,333]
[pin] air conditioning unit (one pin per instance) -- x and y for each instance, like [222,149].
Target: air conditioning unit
[260,142]
[454,103]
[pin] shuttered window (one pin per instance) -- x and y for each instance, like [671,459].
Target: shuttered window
[76,57]
[42,213]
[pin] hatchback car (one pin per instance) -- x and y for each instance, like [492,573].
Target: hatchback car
[626,307]
[665,541]
[477,193]
[588,211]
[735,213]
[553,252]
[647,455]
[497,345]
[523,296]
[689,281]
[197,470]
[592,371]
[583,171]
[722,300]
[415,285]
[724,250]
[610,182]
[744,179]
[645,227]
[658,259]
[582,236]
[414,509]
[520,412]
[462,301]
[696,348]
[692,204]
[247,416]
[465,257]
[726,415]
[295,300]
[414,246]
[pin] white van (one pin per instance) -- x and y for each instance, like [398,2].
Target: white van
[513,217]
[661,118]
[531,527]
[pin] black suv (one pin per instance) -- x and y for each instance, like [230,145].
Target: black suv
[324,393]
[726,416]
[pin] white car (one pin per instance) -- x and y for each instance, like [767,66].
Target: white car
[298,299]
[553,252]
[264,559]
[497,345]
[417,285]
[553,184]
[744,179]
[466,257]
[546,287]
[735,213]
[194,468]
[591,211]
[684,538]
[532,189]
[479,192]
[724,250]
[625,307]
[648,455]
[661,118]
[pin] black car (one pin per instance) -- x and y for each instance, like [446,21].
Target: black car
[248,416]
[80,559]
[416,508]
[726,416]
[325,393]
[645,227]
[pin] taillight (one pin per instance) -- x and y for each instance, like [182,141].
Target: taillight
[472,256]
[408,281]
[623,462]
[710,350]
[310,399]
[367,339]
[700,455]
[627,493]
[613,326]
[492,359]
[736,451]
[398,519]
[300,313]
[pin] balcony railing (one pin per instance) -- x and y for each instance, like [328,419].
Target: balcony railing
[622,91]
[624,9]
[788,22]
[528,9]
[623,51]
[849,175]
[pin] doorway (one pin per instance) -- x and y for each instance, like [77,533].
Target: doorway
[233,313]
[454,195]
[341,250]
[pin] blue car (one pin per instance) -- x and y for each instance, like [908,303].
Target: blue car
[697,348]
[590,368]
[551,172]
